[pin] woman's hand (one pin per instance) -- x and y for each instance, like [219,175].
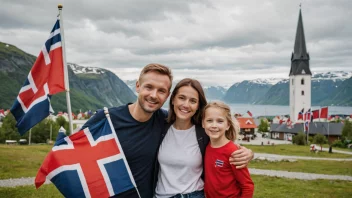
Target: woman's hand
[241,157]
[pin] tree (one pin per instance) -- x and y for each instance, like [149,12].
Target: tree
[263,126]
[320,139]
[347,131]
[8,130]
[61,121]
[299,139]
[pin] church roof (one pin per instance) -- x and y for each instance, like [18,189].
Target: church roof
[300,56]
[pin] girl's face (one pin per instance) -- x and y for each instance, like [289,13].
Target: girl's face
[215,123]
[186,103]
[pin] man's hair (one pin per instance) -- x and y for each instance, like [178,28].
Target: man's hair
[197,117]
[234,129]
[155,67]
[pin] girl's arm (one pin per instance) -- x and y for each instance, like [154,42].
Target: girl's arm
[244,179]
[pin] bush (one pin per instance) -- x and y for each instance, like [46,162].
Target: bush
[320,139]
[310,139]
[339,144]
[299,139]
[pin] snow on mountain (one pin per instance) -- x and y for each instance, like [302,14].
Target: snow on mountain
[271,81]
[77,69]
[341,75]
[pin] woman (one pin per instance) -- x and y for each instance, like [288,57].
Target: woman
[183,143]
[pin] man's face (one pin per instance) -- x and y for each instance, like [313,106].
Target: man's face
[153,90]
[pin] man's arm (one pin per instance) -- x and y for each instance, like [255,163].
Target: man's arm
[241,157]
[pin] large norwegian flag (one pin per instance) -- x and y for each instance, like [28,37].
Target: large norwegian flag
[45,79]
[89,163]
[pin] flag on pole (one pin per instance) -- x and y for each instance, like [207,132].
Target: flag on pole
[324,113]
[89,163]
[307,115]
[249,113]
[300,115]
[315,115]
[45,79]
[306,126]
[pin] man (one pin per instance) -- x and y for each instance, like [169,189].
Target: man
[139,126]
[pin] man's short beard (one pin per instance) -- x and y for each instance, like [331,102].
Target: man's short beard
[144,109]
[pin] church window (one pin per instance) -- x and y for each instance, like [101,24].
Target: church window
[302,93]
[302,81]
[292,81]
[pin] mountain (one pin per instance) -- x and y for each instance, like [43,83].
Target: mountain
[214,92]
[249,91]
[325,86]
[277,94]
[342,95]
[132,85]
[90,88]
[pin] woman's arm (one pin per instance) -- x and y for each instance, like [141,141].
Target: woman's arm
[241,157]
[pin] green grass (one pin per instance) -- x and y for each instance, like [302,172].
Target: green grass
[44,191]
[307,166]
[21,161]
[282,187]
[264,187]
[294,150]
[337,148]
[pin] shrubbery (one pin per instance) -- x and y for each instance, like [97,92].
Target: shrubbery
[340,144]
[299,139]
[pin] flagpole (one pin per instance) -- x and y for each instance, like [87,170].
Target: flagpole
[67,84]
[107,115]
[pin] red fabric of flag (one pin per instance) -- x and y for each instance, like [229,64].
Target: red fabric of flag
[324,112]
[315,114]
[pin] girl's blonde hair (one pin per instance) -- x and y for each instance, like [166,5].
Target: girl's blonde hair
[234,129]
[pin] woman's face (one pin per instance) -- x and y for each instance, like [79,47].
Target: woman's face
[186,103]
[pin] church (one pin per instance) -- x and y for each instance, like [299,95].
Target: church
[300,95]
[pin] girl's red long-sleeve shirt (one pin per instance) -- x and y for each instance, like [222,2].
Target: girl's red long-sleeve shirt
[223,179]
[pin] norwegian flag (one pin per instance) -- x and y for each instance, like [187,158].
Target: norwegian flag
[324,112]
[300,114]
[219,163]
[250,113]
[308,115]
[45,79]
[315,115]
[306,126]
[89,163]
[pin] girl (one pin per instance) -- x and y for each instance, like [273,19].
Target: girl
[221,178]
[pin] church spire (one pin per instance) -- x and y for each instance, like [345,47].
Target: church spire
[300,42]
[300,57]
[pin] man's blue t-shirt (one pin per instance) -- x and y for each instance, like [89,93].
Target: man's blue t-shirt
[139,141]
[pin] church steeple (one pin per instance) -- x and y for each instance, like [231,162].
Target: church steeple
[300,57]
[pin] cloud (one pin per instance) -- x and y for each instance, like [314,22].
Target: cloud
[227,40]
